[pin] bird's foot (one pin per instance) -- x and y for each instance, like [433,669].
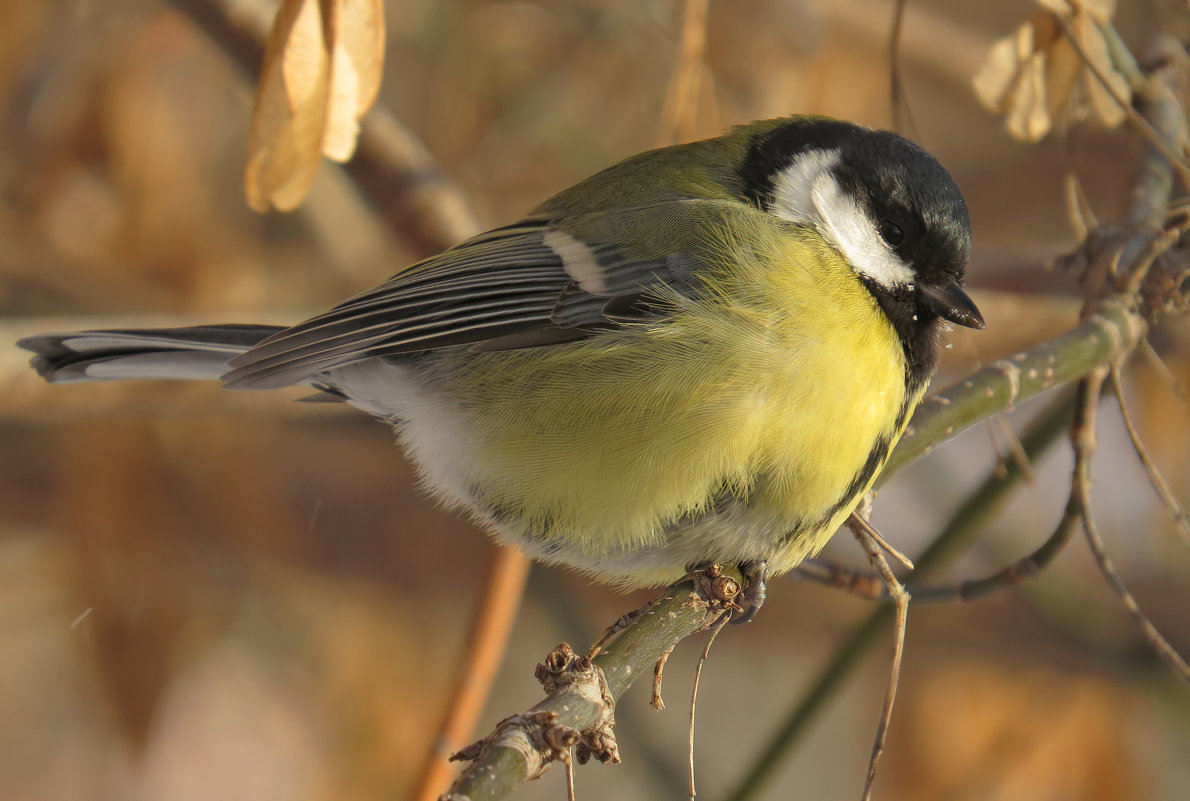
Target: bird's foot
[754,590]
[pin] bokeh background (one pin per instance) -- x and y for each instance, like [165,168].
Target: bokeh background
[209,595]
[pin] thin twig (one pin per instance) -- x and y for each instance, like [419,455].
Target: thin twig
[1082,437]
[568,763]
[1158,364]
[1181,520]
[1026,567]
[1014,446]
[878,538]
[900,600]
[1078,207]
[655,700]
[1157,246]
[851,579]
[702,660]
[866,584]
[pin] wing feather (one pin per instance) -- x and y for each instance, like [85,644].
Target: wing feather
[512,287]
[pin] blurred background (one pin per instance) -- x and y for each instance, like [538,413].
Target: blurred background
[211,595]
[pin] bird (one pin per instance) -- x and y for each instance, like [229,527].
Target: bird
[704,353]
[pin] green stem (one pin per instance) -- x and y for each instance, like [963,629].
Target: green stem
[1101,338]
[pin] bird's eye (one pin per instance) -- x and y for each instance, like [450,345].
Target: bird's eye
[891,233]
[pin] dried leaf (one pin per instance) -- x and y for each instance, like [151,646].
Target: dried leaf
[1000,73]
[285,142]
[1037,75]
[356,34]
[321,72]
[1028,118]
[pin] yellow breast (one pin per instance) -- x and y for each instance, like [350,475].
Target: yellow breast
[772,387]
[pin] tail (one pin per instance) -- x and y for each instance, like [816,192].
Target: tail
[198,352]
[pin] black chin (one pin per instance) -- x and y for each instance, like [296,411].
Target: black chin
[918,327]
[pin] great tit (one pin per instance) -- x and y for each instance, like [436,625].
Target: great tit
[704,353]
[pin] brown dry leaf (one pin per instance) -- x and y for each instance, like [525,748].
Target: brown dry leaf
[321,72]
[357,63]
[1036,75]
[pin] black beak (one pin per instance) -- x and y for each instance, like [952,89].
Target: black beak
[950,302]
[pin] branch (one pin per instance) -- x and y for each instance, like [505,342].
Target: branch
[1082,437]
[1105,335]
[580,695]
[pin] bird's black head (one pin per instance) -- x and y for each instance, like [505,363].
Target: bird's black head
[889,207]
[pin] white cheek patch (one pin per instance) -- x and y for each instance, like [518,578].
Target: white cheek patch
[807,192]
[854,233]
[793,187]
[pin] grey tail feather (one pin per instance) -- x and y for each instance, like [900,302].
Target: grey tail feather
[196,352]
